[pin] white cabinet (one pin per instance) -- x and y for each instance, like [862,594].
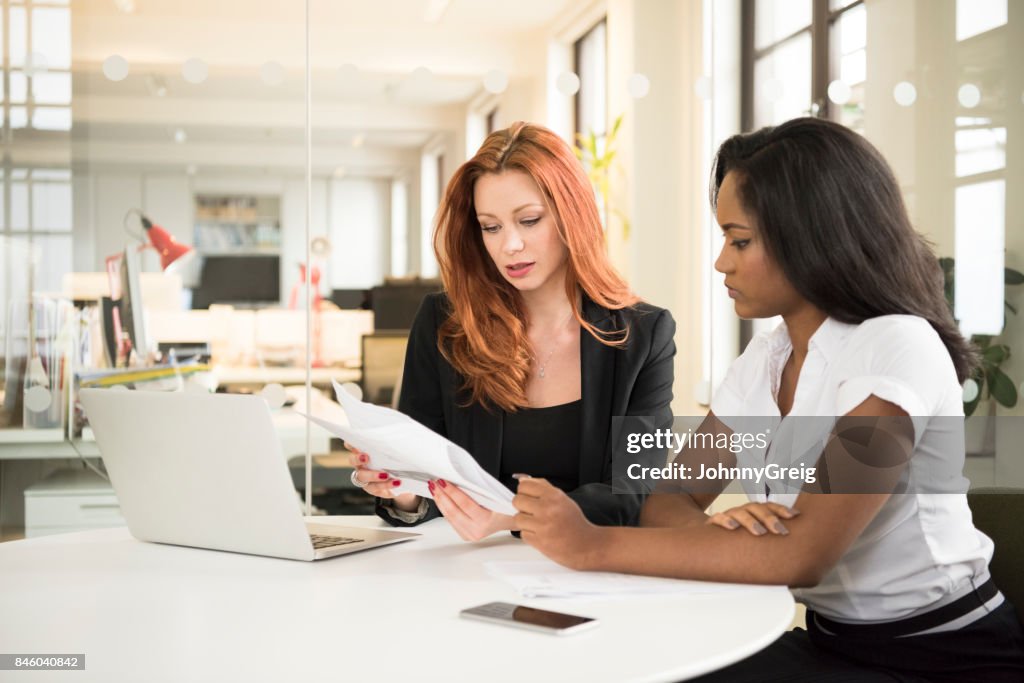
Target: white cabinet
[70,500]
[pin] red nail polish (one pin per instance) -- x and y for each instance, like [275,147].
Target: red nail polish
[442,483]
[430,485]
[362,458]
[396,482]
[382,475]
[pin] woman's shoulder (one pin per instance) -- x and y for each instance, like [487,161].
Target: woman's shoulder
[896,334]
[434,309]
[900,359]
[643,314]
[901,346]
[647,323]
[437,301]
[437,304]
[908,325]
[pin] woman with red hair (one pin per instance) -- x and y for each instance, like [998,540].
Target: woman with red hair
[535,343]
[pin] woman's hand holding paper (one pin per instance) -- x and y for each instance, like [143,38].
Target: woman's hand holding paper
[378,483]
[470,520]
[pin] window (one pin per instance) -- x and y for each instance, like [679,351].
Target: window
[591,100]
[803,57]
[36,220]
[35,203]
[36,38]
[431,189]
[980,142]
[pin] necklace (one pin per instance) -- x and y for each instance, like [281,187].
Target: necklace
[542,366]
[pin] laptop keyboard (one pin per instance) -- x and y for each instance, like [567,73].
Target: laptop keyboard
[331,541]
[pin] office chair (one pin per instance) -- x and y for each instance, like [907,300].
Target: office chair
[997,512]
[383,354]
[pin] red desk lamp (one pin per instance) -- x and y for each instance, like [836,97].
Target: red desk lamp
[173,254]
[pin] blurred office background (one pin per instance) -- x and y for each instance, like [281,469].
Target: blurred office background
[194,116]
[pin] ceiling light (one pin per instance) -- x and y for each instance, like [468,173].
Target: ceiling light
[496,81]
[195,71]
[115,68]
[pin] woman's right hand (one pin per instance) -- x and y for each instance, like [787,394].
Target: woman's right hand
[378,483]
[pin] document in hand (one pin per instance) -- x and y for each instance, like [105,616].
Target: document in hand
[414,454]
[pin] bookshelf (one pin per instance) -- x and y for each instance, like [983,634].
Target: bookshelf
[237,225]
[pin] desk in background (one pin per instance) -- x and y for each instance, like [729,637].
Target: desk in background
[75,498]
[164,613]
[290,427]
[233,376]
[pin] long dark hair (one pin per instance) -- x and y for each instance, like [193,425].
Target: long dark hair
[831,214]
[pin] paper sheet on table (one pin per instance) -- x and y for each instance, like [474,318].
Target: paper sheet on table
[546,579]
[413,453]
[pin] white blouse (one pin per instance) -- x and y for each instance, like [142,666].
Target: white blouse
[921,550]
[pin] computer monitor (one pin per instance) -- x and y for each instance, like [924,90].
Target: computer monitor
[395,302]
[239,280]
[351,298]
[130,305]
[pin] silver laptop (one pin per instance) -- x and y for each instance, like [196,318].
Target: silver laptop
[206,471]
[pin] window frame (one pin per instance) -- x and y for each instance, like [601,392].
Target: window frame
[29,104]
[824,60]
[577,55]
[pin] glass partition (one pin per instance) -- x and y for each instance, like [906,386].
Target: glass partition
[176,201]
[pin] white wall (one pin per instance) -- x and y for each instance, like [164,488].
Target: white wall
[663,187]
[721,325]
[115,192]
[360,225]
[293,231]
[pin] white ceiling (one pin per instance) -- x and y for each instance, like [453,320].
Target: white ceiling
[475,15]
[378,36]
[368,58]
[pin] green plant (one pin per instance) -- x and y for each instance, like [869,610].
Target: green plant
[992,381]
[597,152]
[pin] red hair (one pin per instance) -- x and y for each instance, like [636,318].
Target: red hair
[484,337]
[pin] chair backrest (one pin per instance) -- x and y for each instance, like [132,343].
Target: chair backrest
[383,360]
[997,513]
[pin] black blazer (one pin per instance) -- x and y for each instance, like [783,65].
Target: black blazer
[632,380]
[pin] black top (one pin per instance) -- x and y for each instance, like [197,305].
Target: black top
[542,442]
[631,380]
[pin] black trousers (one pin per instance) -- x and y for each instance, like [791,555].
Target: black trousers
[990,650]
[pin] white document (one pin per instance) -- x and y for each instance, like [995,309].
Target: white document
[547,579]
[414,454]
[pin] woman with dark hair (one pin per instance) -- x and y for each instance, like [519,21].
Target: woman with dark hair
[892,569]
[535,343]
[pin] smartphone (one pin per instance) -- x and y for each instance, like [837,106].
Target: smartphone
[557,623]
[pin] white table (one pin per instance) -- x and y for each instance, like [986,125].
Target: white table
[141,611]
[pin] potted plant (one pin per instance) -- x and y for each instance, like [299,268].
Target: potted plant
[597,152]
